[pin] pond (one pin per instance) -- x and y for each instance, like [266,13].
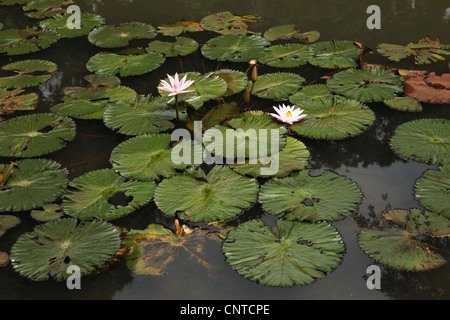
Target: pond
[386,179]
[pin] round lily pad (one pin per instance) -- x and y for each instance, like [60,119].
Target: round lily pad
[28,73]
[7,222]
[236,81]
[227,23]
[432,190]
[335,54]
[40,9]
[51,248]
[105,195]
[292,254]
[402,244]
[182,46]
[17,42]
[58,23]
[366,85]
[49,212]
[286,55]
[109,36]
[35,135]
[219,195]
[328,197]
[278,85]
[311,92]
[334,118]
[404,104]
[32,184]
[423,140]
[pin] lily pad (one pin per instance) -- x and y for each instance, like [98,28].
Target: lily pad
[235,48]
[40,9]
[29,40]
[177,28]
[335,54]
[12,100]
[147,157]
[423,140]
[58,23]
[109,36]
[428,88]
[34,183]
[328,197]
[28,73]
[107,63]
[35,135]
[219,195]
[227,23]
[236,81]
[404,104]
[278,85]
[432,190]
[182,46]
[334,118]
[292,254]
[366,85]
[282,32]
[52,247]
[404,247]
[286,55]
[424,52]
[7,222]
[311,92]
[105,195]
[49,212]
[293,157]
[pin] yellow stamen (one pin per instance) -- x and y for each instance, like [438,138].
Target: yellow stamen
[288,114]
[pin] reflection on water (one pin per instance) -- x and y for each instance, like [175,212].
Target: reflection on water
[386,180]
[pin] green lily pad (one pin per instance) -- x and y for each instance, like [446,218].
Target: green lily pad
[334,118]
[282,32]
[286,55]
[219,195]
[51,248]
[292,254]
[235,48]
[34,183]
[120,36]
[12,100]
[147,157]
[40,9]
[227,23]
[29,40]
[311,92]
[278,85]
[108,63]
[366,85]
[335,54]
[404,104]
[177,28]
[236,81]
[35,135]
[328,197]
[404,247]
[215,116]
[182,46]
[293,157]
[58,23]
[423,140]
[105,195]
[432,190]
[28,73]
[48,213]
[7,222]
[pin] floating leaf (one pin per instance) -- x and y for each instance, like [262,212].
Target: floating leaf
[7,222]
[181,47]
[369,85]
[147,157]
[432,190]
[428,88]
[328,197]
[235,48]
[309,36]
[48,213]
[293,157]
[236,81]
[120,36]
[425,51]
[293,253]
[311,92]
[29,40]
[105,195]
[423,140]
[28,73]
[282,32]
[278,85]
[177,28]
[286,55]
[227,23]
[32,184]
[403,247]
[40,9]
[12,100]
[35,135]
[51,248]
[334,118]
[108,63]
[217,115]
[58,23]
[219,195]
[335,54]
[404,104]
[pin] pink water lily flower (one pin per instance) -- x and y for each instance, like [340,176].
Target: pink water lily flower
[288,114]
[176,86]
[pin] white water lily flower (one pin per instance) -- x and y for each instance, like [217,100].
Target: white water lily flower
[176,86]
[288,114]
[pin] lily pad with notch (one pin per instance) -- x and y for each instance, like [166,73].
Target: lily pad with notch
[404,104]
[29,40]
[335,54]
[236,80]
[110,36]
[286,55]
[28,73]
[58,23]
[311,92]
[279,85]
[177,28]
[227,23]
[41,9]
[182,46]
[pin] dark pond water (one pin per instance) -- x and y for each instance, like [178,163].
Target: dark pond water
[386,180]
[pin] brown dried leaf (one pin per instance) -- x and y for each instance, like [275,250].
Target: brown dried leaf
[428,88]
